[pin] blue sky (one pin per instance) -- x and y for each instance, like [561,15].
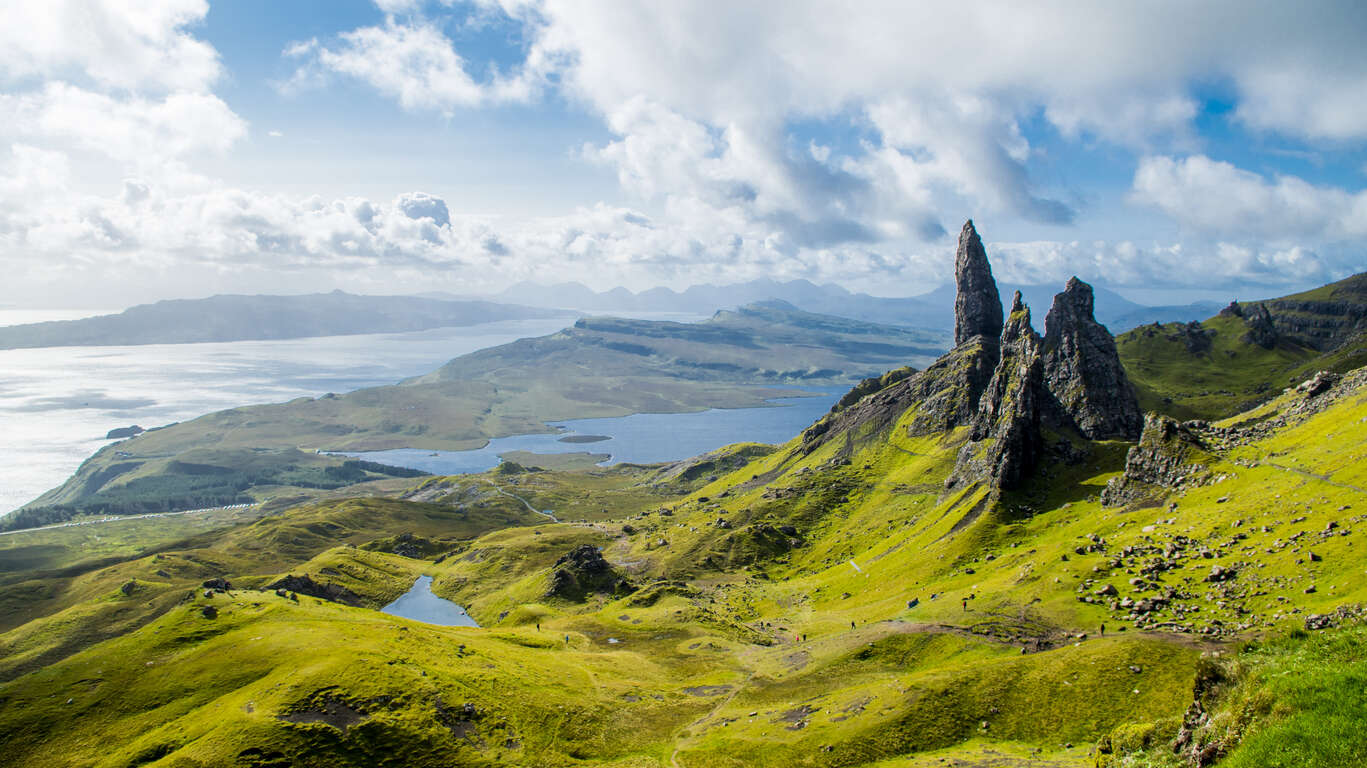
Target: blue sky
[1167,150]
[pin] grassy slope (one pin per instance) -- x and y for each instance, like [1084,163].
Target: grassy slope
[1233,374]
[603,367]
[740,648]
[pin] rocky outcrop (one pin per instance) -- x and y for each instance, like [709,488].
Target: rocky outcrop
[1002,380]
[583,571]
[977,305]
[1168,455]
[1005,440]
[1087,385]
[1261,330]
[119,433]
[305,585]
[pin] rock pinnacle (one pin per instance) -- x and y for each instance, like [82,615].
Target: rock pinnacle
[977,305]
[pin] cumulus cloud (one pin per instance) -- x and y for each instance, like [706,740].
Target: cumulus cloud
[1214,197]
[140,45]
[411,61]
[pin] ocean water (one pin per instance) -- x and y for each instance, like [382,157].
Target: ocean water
[57,403]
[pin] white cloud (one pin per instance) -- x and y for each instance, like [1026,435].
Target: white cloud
[1213,197]
[140,45]
[128,128]
[413,62]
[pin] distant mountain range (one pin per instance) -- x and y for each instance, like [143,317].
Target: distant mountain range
[250,318]
[932,310]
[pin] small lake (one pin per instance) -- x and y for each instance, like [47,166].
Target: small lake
[422,604]
[641,438]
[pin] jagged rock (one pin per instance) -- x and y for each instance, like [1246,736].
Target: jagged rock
[128,588]
[221,584]
[1005,440]
[977,305]
[305,585]
[1167,455]
[1261,330]
[1320,382]
[945,396]
[1194,336]
[583,571]
[1082,370]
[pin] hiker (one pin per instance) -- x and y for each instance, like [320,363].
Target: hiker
[1103,629]
[851,625]
[538,626]
[965,605]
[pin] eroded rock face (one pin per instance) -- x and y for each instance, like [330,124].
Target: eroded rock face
[1005,441]
[1261,330]
[1087,385]
[1168,455]
[583,571]
[977,305]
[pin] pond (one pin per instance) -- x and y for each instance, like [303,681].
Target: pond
[420,603]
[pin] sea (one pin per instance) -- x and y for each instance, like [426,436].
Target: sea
[58,403]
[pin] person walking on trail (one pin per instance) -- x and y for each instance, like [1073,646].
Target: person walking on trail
[965,605]
[851,625]
[1103,629]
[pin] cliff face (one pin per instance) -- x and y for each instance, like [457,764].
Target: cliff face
[1005,440]
[1087,386]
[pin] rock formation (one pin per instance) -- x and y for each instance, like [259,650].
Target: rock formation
[1261,330]
[1005,440]
[1168,455]
[1087,385]
[1002,380]
[582,572]
[977,305]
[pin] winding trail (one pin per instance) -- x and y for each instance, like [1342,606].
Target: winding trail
[1313,476]
[525,503]
[679,741]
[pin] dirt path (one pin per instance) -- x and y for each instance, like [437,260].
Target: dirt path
[525,503]
[680,741]
[1313,476]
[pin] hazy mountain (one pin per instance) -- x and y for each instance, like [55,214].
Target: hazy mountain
[243,318]
[931,310]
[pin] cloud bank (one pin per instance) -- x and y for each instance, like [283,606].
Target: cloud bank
[775,139]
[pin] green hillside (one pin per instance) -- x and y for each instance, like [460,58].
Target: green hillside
[1214,368]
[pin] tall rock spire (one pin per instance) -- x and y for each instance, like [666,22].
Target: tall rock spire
[1005,439]
[1082,370]
[977,305]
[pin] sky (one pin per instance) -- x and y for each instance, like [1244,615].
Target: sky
[1168,150]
